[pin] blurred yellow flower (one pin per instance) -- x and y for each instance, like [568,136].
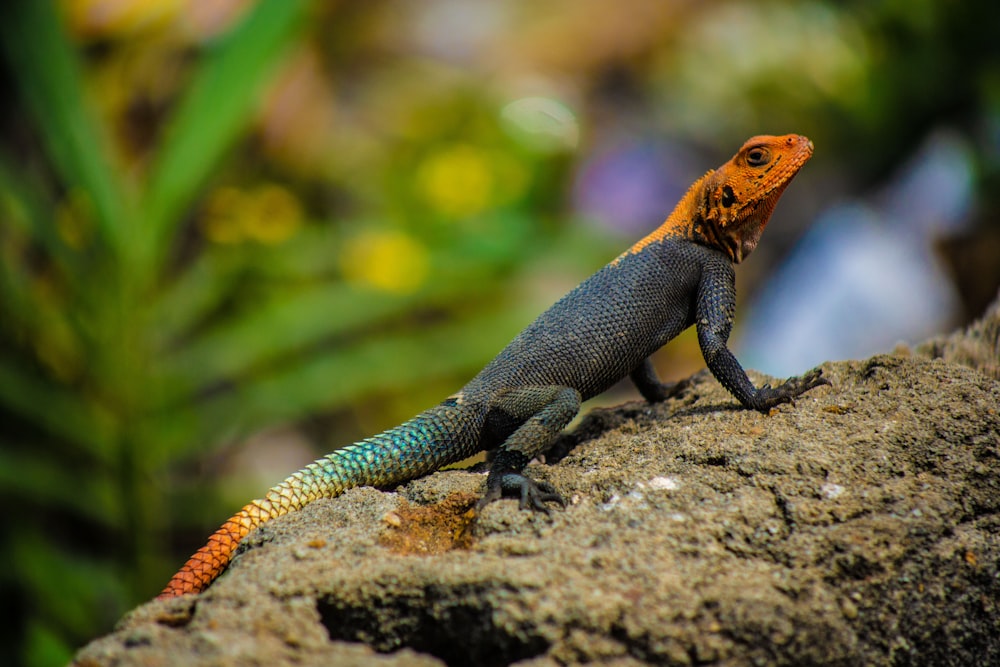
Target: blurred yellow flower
[273,214]
[268,214]
[389,260]
[458,181]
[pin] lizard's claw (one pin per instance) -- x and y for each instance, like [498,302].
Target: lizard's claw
[493,494]
[791,388]
[797,386]
[533,495]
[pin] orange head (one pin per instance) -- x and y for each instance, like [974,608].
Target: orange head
[737,199]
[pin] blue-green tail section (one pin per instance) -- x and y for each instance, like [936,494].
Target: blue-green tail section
[434,438]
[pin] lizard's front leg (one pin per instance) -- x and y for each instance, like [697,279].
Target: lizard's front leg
[541,413]
[716,306]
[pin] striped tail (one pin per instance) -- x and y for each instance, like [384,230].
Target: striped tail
[437,437]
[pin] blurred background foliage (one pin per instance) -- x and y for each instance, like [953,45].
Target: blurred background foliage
[238,234]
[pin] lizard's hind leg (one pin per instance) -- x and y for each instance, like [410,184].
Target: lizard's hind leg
[542,413]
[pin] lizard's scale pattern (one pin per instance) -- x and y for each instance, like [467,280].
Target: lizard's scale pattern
[601,331]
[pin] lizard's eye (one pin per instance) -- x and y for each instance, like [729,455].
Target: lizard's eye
[728,197]
[758,156]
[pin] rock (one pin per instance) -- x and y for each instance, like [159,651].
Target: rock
[860,526]
[977,346]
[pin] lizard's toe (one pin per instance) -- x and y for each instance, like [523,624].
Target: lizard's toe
[534,495]
[531,494]
[813,379]
[768,397]
[493,494]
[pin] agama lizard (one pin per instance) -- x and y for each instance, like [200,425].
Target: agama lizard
[603,330]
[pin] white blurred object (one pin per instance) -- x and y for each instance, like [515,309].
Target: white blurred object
[864,276]
[544,124]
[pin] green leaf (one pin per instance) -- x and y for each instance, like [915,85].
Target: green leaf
[326,381]
[38,478]
[48,73]
[216,108]
[276,328]
[294,320]
[22,205]
[71,594]
[55,409]
[201,286]
[191,297]
[45,646]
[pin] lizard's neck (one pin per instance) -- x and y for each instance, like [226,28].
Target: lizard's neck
[685,222]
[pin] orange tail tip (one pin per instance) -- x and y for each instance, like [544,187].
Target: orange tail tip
[209,561]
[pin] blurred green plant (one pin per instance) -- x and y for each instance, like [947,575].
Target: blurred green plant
[130,349]
[91,314]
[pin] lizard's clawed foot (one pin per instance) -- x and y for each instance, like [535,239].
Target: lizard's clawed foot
[768,397]
[533,495]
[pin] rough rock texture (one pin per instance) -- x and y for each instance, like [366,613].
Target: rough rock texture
[859,527]
[978,346]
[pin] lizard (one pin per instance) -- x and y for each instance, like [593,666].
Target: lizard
[603,330]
